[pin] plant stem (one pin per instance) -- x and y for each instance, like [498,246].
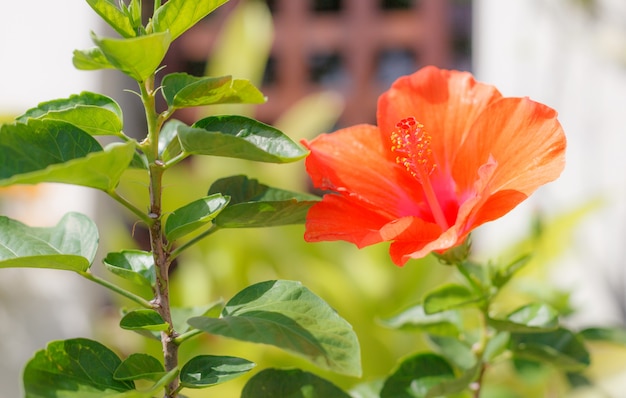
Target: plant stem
[121,200]
[116,289]
[158,243]
[176,252]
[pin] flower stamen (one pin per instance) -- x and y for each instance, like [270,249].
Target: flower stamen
[411,144]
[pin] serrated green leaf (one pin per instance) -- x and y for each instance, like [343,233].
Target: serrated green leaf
[91,59]
[182,91]
[450,296]
[414,318]
[176,16]
[143,319]
[140,366]
[289,316]
[138,57]
[75,368]
[290,383]
[135,266]
[194,215]
[416,375]
[93,113]
[208,370]
[530,318]
[239,137]
[113,16]
[70,245]
[561,348]
[254,205]
[608,334]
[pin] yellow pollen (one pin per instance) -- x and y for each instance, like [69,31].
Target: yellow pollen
[411,144]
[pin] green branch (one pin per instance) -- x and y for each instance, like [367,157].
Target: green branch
[102,282]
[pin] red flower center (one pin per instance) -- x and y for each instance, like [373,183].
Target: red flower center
[411,144]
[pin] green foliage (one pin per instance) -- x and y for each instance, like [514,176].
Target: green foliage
[207,370]
[194,215]
[293,383]
[182,91]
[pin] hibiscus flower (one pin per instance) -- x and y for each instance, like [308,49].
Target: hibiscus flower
[449,154]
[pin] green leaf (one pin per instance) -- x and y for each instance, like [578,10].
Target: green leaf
[140,366]
[75,368]
[176,16]
[113,16]
[194,215]
[561,348]
[505,274]
[289,316]
[143,319]
[93,113]
[530,318]
[416,375]
[457,351]
[290,383]
[137,57]
[255,205]
[169,145]
[70,245]
[450,296]
[135,266]
[182,91]
[97,169]
[207,370]
[414,318]
[181,315]
[496,346]
[91,59]
[611,335]
[461,383]
[239,137]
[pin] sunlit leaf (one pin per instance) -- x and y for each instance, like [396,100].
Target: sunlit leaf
[456,351]
[169,145]
[70,245]
[138,57]
[207,370]
[561,348]
[91,59]
[181,315]
[93,113]
[530,318]
[290,383]
[182,90]
[75,368]
[414,318]
[140,366]
[253,204]
[176,16]
[457,385]
[416,375]
[194,215]
[496,346]
[135,266]
[143,319]
[450,296]
[239,137]
[113,16]
[289,316]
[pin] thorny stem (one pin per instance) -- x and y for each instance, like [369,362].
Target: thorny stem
[158,243]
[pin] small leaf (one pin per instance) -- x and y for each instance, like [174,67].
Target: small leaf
[456,351]
[93,113]
[239,137]
[135,266]
[442,324]
[289,316]
[416,375]
[496,346]
[137,57]
[290,383]
[180,315]
[91,59]
[140,366]
[450,296]
[169,145]
[113,16]
[207,370]
[176,16]
[461,383]
[611,335]
[561,347]
[143,319]
[194,215]
[503,275]
[70,245]
[530,318]
[255,205]
[75,368]
[182,91]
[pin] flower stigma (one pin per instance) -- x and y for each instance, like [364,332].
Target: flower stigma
[411,144]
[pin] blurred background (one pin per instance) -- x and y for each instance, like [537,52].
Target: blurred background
[322,65]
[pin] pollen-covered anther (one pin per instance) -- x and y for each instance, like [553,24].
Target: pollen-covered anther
[411,144]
